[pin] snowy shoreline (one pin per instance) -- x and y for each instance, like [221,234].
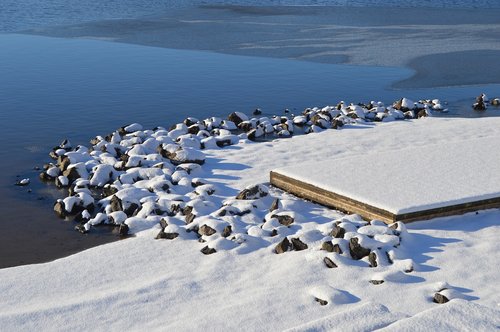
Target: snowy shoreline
[165,283]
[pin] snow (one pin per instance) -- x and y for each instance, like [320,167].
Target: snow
[147,284]
[411,179]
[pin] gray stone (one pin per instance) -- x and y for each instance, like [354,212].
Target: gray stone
[283,246]
[208,251]
[206,230]
[329,263]
[356,250]
[298,245]
[440,298]
[285,220]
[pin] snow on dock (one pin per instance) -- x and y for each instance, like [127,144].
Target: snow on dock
[411,184]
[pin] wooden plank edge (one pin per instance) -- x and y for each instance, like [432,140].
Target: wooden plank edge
[330,199]
[346,204]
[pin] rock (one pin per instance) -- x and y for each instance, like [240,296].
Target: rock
[337,123]
[372,258]
[189,218]
[23,182]
[63,162]
[298,245]
[206,230]
[320,301]
[329,263]
[356,250]
[337,232]
[123,230]
[440,298]
[131,210]
[330,247]
[274,232]
[71,173]
[163,223]
[495,102]
[81,228]
[274,205]
[376,282]
[253,192]
[257,111]
[115,204]
[180,155]
[208,251]
[237,117]
[169,236]
[285,220]
[226,231]
[60,209]
[283,246]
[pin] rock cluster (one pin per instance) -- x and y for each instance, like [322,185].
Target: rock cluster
[138,179]
[482,102]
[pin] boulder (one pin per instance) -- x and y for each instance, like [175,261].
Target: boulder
[330,247]
[169,236]
[337,232]
[285,220]
[376,282]
[123,230]
[115,204]
[356,250]
[298,245]
[189,218]
[237,117]
[208,251]
[60,209]
[226,231]
[283,246]
[372,258]
[329,263]
[253,192]
[320,301]
[440,298]
[274,205]
[206,230]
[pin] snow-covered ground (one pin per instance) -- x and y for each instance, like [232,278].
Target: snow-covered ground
[142,283]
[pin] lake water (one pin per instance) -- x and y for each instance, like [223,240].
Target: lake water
[51,89]
[18,15]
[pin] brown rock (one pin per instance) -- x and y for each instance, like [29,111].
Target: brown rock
[320,301]
[298,245]
[206,230]
[60,209]
[226,231]
[376,282]
[282,247]
[372,258]
[123,230]
[329,263]
[208,251]
[440,298]
[356,250]
[116,204]
[337,232]
[285,220]
[189,218]
[274,205]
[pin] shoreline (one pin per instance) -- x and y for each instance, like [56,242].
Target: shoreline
[336,35]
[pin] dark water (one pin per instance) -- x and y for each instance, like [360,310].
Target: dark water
[16,15]
[51,89]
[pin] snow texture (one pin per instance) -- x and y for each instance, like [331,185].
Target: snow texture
[411,179]
[145,284]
